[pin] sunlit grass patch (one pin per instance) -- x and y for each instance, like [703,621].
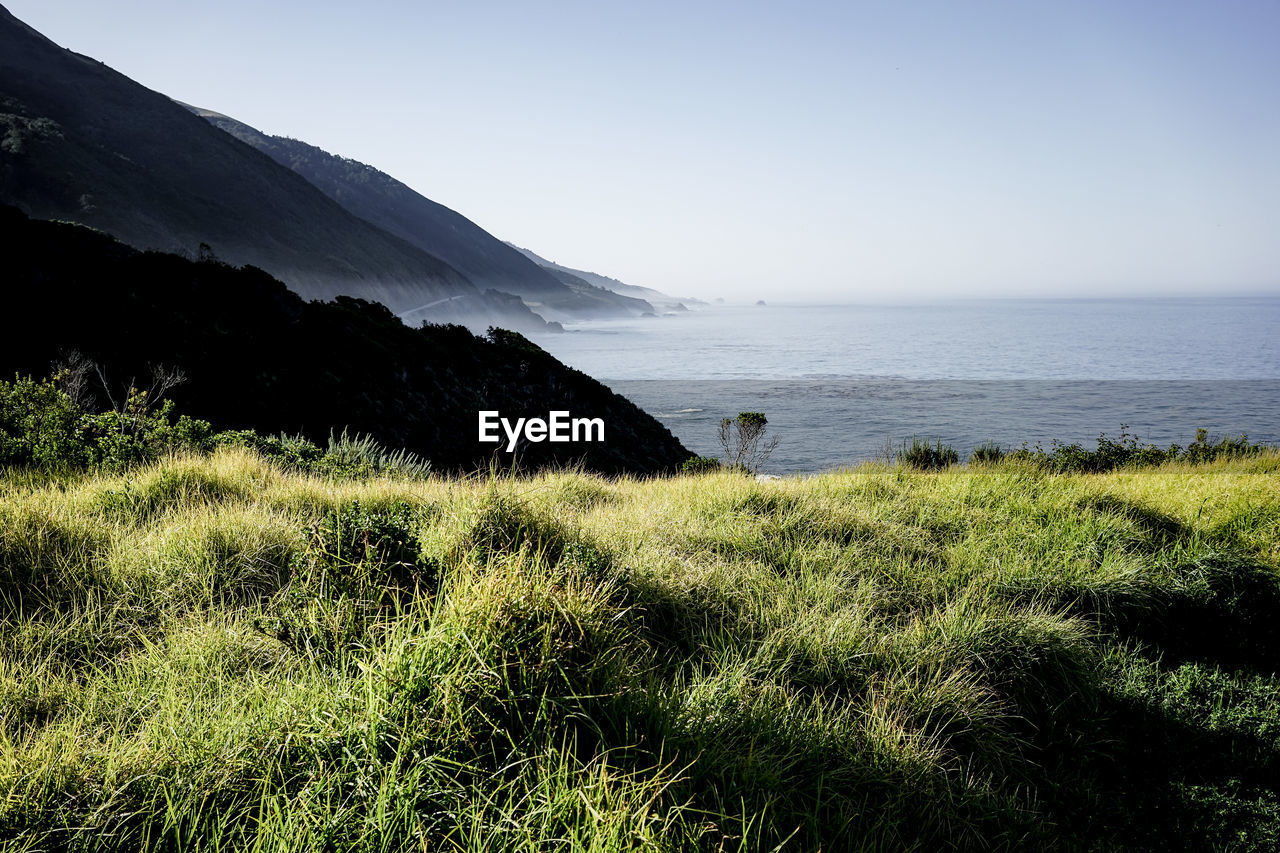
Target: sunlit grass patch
[215,653]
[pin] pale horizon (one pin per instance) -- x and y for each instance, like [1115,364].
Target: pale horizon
[824,152]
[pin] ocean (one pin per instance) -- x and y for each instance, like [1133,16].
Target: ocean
[842,383]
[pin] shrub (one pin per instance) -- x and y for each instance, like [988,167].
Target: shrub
[289,451]
[347,456]
[1126,451]
[987,453]
[139,433]
[700,465]
[41,425]
[923,456]
[1201,450]
[358,455]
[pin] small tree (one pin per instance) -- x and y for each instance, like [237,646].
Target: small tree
[135,408]
[744,442]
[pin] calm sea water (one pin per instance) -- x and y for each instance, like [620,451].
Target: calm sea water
[840,382]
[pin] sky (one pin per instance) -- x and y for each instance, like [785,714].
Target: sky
[833,151]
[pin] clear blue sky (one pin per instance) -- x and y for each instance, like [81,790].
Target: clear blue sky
[842,151]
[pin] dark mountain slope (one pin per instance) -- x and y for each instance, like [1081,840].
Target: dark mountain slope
[394,207]
[84,143]
[260,357]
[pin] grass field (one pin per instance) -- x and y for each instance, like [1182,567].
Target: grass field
[213,654]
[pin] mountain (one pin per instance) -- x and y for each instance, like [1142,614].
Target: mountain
[395,208]
[81,142]
[258,356]
[581,278]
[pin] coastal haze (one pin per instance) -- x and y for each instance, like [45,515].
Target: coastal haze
[834,152]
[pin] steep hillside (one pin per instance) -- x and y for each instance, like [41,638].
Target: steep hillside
[582,278]
[258,356]
[83,143]
[394,207]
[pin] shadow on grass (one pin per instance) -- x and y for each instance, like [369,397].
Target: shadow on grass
[1157,529]
[1182,767]
[1175,780]
[1199,600]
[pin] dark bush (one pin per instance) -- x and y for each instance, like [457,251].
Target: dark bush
[700,465]
[1127,451]
[354,562]
[987,453]
[918,453]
